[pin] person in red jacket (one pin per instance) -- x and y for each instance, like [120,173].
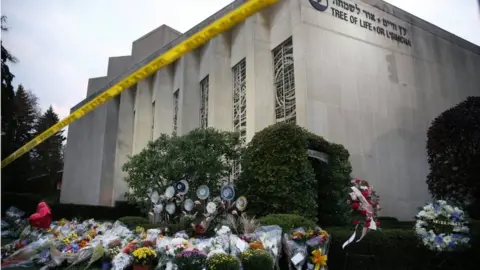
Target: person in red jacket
[42,218]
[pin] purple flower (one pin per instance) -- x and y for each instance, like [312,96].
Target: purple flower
[191,253]
[438,240]
[451,244]
[456,236]
[455,216]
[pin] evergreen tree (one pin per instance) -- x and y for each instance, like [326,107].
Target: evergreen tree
[8,94]
[25,118]
[49,154]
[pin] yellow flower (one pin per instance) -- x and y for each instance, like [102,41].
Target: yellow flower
[318,259]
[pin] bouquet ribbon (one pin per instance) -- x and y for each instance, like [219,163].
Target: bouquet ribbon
[356,194]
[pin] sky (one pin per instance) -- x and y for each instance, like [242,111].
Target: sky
[60,43]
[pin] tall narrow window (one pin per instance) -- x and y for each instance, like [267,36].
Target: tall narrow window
[204,103]
[153,121]
[239,99]
[284,81]
[239,108]
[175,111]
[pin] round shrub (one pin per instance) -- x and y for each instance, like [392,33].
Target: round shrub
[133,222]
[453,148]
[287,222]
[279,177]
[257,259]
[276,174]
[223,262]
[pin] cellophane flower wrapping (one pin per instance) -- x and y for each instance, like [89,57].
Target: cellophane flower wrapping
[300,243]
[271,237]
[13,222]
[296,251]
[121,261]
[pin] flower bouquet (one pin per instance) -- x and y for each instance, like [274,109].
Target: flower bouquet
[190,260]
[143,258]
[222,261]
[307,246]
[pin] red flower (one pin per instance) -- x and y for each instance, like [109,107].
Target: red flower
[126,250]
[377,223]
[364,212]
[355,205]
[199,229]
[367,223]
[357,181]
[146,244]
[365,193]
[355,222]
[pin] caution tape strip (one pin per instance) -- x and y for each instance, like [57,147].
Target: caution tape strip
[219,26]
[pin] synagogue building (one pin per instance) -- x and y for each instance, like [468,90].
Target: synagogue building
[363,74]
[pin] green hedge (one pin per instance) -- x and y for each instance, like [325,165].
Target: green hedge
[395,246]
[287,221]
[28,203]
[398,249]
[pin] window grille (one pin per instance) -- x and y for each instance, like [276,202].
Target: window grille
[175,111]
[284,81]
[204,103]
[239,107]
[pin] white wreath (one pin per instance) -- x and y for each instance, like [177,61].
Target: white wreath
[439,215]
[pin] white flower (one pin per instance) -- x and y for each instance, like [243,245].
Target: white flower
[223,230]
[447,239]
[211,207]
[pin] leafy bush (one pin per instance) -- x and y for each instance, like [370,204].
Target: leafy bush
[277,176]
[453,148]
[133,222]
[223,262]
[202,157]
[287,221]
[258,259]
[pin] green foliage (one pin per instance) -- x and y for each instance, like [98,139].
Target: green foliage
[453,148]
[48,156]
[277,176]
[133,222]
[258,259]
[223,262]
[287,222]
[8,104]
[396,249]
[333,180]
[202,157]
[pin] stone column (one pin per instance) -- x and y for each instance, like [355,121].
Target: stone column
[163,93]
[220,101]
[143,115]
[299,40]
[260,90]
[189,99]
[124,142]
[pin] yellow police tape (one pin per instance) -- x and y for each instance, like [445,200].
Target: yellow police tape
[221,25]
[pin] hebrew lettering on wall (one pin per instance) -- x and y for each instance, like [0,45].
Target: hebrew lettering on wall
[353,14]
